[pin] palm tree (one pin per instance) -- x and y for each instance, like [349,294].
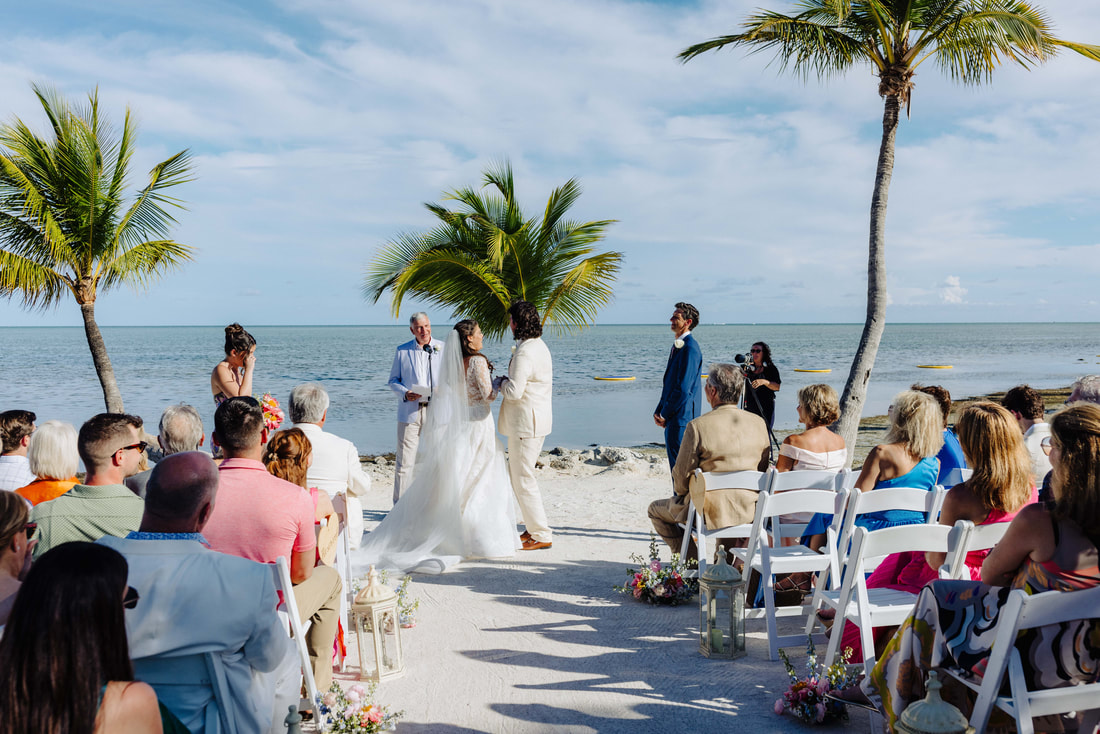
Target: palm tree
[64,223]
[481,258]
[968,39]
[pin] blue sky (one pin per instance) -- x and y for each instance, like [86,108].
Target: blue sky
[319,128]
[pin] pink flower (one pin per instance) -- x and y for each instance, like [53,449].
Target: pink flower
[373,714]
[329,699]
[358,689]
[779,706]
[822,686]
[654,565]
[637,593]
[820,712]
[353,695]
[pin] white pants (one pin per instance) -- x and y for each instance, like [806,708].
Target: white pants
[408,438]
[522,455]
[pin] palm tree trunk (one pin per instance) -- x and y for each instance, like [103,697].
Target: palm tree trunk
[111,396]
[855,391]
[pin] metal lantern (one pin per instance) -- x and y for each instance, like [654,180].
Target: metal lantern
[722,610]
[933,715]
[377,631]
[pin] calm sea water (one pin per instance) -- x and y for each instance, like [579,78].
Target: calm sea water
[49,370]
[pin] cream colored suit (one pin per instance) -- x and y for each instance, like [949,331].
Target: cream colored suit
[725,439]
[526,418]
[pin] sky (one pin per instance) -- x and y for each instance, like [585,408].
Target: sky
[320,127]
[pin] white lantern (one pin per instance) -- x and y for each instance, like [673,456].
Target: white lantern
[933,715]
[377,631]
[722,611]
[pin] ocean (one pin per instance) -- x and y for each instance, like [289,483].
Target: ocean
[49,370]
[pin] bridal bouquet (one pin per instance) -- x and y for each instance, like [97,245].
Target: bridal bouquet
[273,414]
[659,584]
[805,698]
[354,711]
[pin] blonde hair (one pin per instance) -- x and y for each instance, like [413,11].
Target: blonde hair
[287,456]
[52,451]
[820,405]
[916,421]
[994,447]
[1076,430]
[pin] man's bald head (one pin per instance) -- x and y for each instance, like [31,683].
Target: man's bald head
[180,492]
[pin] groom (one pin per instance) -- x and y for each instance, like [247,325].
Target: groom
[525,418]
[682,396]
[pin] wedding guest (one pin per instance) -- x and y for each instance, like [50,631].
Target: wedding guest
[261,517]
[526,418]
[54,460]
[110,445]
[15,550]
[1026,405]
[818,447]
[64,654]
[1085,389]
[1045,548]
[233,375]
[905,458]
[180,430]
[335,469]
[764,383]
[725,439]
[416,362]
[951,454]
[16,427]
[195,601]
[681,399]
[288,455]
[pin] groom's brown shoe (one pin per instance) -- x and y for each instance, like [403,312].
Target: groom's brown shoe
[524,536]
[532,544]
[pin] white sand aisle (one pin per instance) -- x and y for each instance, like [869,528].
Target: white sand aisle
[543,643]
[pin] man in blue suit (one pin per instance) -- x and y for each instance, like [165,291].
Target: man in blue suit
[682,396]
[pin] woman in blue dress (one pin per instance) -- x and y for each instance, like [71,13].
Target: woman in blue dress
[905,458]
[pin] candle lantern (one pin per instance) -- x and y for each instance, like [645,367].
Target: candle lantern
[377,631]
[933,715]
[722,611]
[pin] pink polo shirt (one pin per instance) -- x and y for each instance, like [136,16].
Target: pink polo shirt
[258,516]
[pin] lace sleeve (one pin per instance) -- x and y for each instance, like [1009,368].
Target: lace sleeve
[479,384]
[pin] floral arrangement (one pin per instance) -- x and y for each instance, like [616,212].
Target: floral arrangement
[659,584]
[273,414]
[805,698]
[354,711]
[406,607]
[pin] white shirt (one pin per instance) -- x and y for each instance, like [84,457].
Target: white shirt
[15,472]
[1033,439]
[336,466]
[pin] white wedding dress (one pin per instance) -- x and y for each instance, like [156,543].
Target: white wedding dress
[460,502]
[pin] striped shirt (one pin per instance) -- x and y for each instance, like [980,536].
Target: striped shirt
[86,513]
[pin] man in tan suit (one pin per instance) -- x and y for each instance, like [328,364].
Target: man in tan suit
[725,439]
[526,418]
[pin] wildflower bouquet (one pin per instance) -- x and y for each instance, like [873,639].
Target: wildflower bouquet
[354,711]
[805,698]
[273,414]
[659,584]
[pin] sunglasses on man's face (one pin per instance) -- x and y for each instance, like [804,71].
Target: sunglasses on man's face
[130,600]
[140,446]
[29,528]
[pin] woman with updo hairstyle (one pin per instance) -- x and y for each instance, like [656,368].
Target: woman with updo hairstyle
[817,447]
[15,549]
[288,455]
[64,654]
[54,460]
[232,377]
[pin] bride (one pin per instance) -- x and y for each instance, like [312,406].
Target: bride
[459,504]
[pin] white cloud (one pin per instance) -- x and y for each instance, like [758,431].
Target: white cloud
[951,291]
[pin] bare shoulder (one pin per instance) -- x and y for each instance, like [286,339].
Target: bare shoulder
[129,707]
[961,503]
[797,440]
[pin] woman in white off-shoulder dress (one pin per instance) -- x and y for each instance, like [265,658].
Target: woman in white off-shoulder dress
[460,502]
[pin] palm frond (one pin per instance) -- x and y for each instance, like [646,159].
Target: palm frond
[39,286]
[142,263]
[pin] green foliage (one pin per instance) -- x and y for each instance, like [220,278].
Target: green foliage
[66,224]
[485,254]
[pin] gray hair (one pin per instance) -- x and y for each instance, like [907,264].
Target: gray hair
[180,429]
[52,451]
[419,315]
[1087,389]
[308,403]
[727,381]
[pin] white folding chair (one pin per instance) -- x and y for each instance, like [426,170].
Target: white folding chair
[298,632]
[916,499]
[1026,612]
[958,475]
[978,537]
[783,528]
[769,560]
[695,527]
[870,608]
[178,679]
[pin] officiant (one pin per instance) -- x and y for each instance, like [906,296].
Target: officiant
[415,367]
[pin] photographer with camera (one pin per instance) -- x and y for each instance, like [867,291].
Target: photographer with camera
[763,382]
